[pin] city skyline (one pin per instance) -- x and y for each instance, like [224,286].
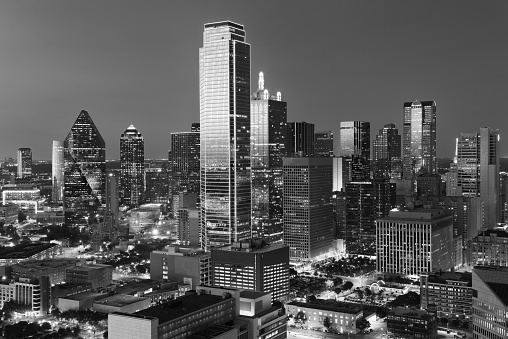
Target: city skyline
[137,63]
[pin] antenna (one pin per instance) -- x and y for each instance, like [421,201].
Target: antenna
[261,83]
[279,96]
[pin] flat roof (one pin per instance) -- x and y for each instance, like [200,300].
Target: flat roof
[24,250]
[119,300]
[252,294]
[330,305]
[181,307]
[85,296]
[438,277]
[501,290]
[41,265]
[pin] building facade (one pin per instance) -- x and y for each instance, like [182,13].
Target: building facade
[268,147]
[386,153]
[323,144]
[132,167]
[411,323]
[157,190]
[185,148]
[419,138]
[300,139]
[490,247]
[57,171]
[355,146]
[308,210]
[224,68]
[24,162]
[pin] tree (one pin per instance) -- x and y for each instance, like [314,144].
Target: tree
[337,281]
[362,324]
[407,300]
[301,317]
[326,322]
[443,321]
[454,323]
[337,290]
[359,293]
[367,292]
[381,312]
[347,285]
[46,326]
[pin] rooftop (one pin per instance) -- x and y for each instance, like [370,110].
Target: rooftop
[330,305]
[181,307]
[42,265]
[24,250]
[119,300]
[501,290]
[500,233]
[443,277]
[410,313]
[252,294]
[85,296]
[253,246]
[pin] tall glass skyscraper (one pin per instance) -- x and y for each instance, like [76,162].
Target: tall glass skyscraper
[185,149]
[85,170]
[24,162]
[355,145]
[268,147]
[300,140]
[419,139]
[132,166]
[57,170]
[224,86]
[323,144]
[386,149]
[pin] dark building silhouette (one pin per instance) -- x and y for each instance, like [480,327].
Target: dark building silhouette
[157,188]
[24,162]
[268,147]
[84,170]
[386,153]
[132,164]
[323,144]
[355,145]
[300,140]
[185,148]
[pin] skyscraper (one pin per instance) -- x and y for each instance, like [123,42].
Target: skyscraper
[323,143]
[157,185]
[185,149]
[268,147]
[57,170]
[85,169]
[477,162]
[224,86]
[419,139]
[24,162]
[355,145]
[386,149]
[300,140]
[308,211]
[132,165]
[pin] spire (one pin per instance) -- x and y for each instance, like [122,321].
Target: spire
[261,82]
[131,127]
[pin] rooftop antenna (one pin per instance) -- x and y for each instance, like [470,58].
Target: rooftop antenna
[261,83]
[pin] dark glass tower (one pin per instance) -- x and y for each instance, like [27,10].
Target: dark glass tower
[132,165]
[224,87]
[386,159]
[300,141]
[185,150]
[268,147]
[324,144]
[157,185]
[419,139]
[84,170]
[355,145]
[24,162]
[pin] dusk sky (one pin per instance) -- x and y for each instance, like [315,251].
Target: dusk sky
[137,62]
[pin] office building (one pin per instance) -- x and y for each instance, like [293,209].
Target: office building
[55,269]
[490,302]
[341,173]
[419,139]
[132,166]
[9,213]
[300,139]
[323,144]
[57,171]
[355,144]
[386,153]
[366,202]
[185,150]
[268,147]
[411,323]
[24,162]
[26,291]
[410,242]
[157,190]
[308,211]
[179,263]
[429,185]
[450,294]
[224,68]
[27,198]
[98,275]
[195,127]
[24,252]
[84,171]
[253,265]
[503,196]
[490,247]
[188,227]
[342,317]
[477,163]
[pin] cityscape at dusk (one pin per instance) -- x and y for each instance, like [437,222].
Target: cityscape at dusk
[227,170]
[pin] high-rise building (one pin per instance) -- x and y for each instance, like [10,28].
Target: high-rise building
[490,300]
[24,162]
[308,211]
[324,143]
[157,188]
[386,153]
[185,162]
[268,147]
[477,163]
[57,171]
[252,265]
[111,224]
[300,139]
[132,165]
[84,170]
[195,127]
[224,68]
[419,139]
[489,248]
[366,202]
[355,145]
[410,242]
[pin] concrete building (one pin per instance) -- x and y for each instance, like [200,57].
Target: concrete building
[9,213]
[252,265]
[178,263]
[308,210]
[323,144]
[121,303]
[98,275]
[450,294]
[300,139]
[27,198]
[26,291]
[57,171]
[490,302]
[24,162]
[386,153]
[24,252]
[188,227]
[411,323]
[490,247]
[79,302]
[54,269]
[342,317]
[410,242]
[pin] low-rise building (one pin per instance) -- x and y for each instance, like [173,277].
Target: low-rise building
[9,213]
[411,323]
[449,293]
[79,302]
[98,275]
[26,291]
[24,252]
[54,269]
[489,248]
[342,317]
[121,303]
